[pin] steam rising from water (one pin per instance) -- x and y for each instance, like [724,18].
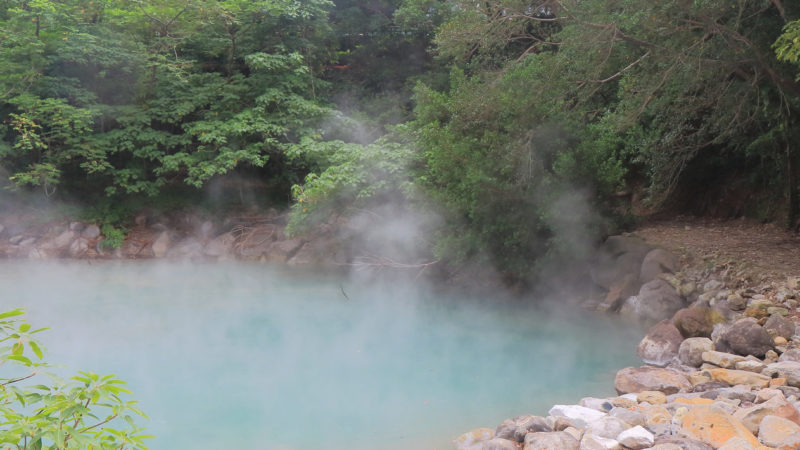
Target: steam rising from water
[250,356]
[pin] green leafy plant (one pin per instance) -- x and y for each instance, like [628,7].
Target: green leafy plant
[112,237]
[86,411]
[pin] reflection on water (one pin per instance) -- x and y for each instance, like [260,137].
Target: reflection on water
[250,356]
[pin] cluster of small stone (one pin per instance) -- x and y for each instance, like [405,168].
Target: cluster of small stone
[722,373]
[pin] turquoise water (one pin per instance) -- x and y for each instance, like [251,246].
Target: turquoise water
[237,355]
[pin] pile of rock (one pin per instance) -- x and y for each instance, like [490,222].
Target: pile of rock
[181,236]
[723,372]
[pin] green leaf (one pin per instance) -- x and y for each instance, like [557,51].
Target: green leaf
[36,350]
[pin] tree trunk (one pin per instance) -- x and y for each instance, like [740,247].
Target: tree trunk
[793,221]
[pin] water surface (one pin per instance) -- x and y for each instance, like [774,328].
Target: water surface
[238,355]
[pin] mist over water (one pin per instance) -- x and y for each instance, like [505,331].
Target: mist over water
[242,355]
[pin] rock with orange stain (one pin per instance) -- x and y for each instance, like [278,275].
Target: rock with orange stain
[775,382]
[700,377]
[655,415]
[645,378]
[735,377]
[751,417]
[474,439]
[715,427]
[774,431]
[652,397]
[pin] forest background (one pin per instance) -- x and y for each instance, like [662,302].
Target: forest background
[514,120]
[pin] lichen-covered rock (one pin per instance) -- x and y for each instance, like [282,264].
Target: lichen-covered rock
[746,337]
[636,438]
[637,379]
[691,350]
[715,427]
[774,431]
[657,300]
[737,443]
[660,346]
[697,321]
[551,441]
[737,377]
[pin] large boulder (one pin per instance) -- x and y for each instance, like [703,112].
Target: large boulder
[778,325]
[655,263]
[660,346]
[747,337]
[752,416]
[697,321]
[656,300]
[617,258]
[774,431]
[715,427]
[549,441]
[646,378]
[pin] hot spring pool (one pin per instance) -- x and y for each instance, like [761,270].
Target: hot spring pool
[235,355]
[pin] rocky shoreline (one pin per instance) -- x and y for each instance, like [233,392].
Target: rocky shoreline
[722,364]
[186,236]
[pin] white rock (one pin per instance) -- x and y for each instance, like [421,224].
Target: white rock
[607,427]
[600,404]
[591,442]
[581,416]
[636,438]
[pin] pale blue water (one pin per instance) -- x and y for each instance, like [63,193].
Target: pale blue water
[234,355]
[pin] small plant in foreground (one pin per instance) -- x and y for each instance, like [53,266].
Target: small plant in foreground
[83,412]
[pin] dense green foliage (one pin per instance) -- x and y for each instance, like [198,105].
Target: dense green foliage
[86,411]
[121,97]
[518,120]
